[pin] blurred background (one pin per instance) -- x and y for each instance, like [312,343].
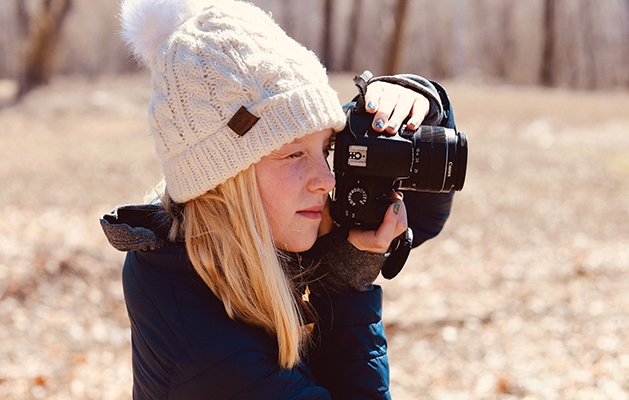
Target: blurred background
[569,43]
[524,295]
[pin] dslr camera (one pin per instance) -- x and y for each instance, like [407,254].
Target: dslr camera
[368,166]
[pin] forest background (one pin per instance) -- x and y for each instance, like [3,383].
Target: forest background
[570,43]
[525,293]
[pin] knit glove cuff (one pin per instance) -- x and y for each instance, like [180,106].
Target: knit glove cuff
[341,267]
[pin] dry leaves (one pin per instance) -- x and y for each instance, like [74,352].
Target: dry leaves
[525,294]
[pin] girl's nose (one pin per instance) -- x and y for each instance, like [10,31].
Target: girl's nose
[323,179]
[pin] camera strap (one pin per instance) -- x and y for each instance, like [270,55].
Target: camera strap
[361,81]
[397,254]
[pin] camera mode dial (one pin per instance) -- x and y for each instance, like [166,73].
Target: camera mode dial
[357,196]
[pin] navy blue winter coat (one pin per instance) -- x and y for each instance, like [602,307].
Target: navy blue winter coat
[186,347]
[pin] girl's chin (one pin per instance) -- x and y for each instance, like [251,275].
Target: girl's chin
[300,243]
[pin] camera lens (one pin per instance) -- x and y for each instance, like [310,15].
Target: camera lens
[439,160]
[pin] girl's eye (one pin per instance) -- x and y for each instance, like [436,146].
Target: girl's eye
[296,154]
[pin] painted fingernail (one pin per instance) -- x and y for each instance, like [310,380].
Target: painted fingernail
[393,127]
[379,123]
[371,105]
[396,209]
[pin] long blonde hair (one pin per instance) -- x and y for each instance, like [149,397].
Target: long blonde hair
[229,243]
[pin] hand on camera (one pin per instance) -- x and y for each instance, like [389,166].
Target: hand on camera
[391,104]
[394,224]
[352,265]
[374,241]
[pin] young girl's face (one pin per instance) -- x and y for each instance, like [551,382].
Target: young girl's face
[294,183]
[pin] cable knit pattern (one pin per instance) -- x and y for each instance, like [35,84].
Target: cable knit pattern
[229,55]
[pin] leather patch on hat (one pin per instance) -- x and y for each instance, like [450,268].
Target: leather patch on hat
[242,121]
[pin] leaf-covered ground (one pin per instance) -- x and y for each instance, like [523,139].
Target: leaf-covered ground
[525,294]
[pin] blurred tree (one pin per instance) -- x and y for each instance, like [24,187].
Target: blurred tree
[459,11]
[547,77]
[589,45]
[393,57]
[506,50]
[327,33]
[42,30]
[22,18]
[352,36]
[626,39]
[569,43]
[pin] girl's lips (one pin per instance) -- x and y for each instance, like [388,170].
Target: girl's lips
[312,213]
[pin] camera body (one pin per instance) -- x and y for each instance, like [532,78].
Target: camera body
[368,166]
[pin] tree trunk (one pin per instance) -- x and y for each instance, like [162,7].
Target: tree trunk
[288,16]
[40,44]
[459,28]
[590,44]
[23,20]
[352,35]
[505,57]
[547,76]
[394,57]
[626,40]
[327,34]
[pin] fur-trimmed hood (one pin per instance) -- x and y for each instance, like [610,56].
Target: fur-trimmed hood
[136,227]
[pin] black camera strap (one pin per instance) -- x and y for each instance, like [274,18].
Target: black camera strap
[361,81]
[398,254]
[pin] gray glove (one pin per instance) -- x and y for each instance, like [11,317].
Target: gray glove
[341,267]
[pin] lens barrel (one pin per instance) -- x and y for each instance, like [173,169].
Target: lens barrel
[439,160]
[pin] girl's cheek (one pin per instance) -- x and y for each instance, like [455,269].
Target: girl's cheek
[298,171]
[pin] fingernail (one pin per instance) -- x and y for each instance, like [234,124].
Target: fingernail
[379,123]
[371,105]
[393,127]
[396,209]
[411,125]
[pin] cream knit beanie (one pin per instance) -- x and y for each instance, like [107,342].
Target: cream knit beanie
[229,87]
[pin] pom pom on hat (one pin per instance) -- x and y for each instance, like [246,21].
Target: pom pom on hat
[229,87]
[147,23]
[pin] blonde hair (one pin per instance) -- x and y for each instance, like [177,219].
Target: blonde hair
[229,243]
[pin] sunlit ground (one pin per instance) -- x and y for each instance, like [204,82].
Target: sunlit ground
[525,294]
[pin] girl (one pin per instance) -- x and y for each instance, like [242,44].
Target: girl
[226,298]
